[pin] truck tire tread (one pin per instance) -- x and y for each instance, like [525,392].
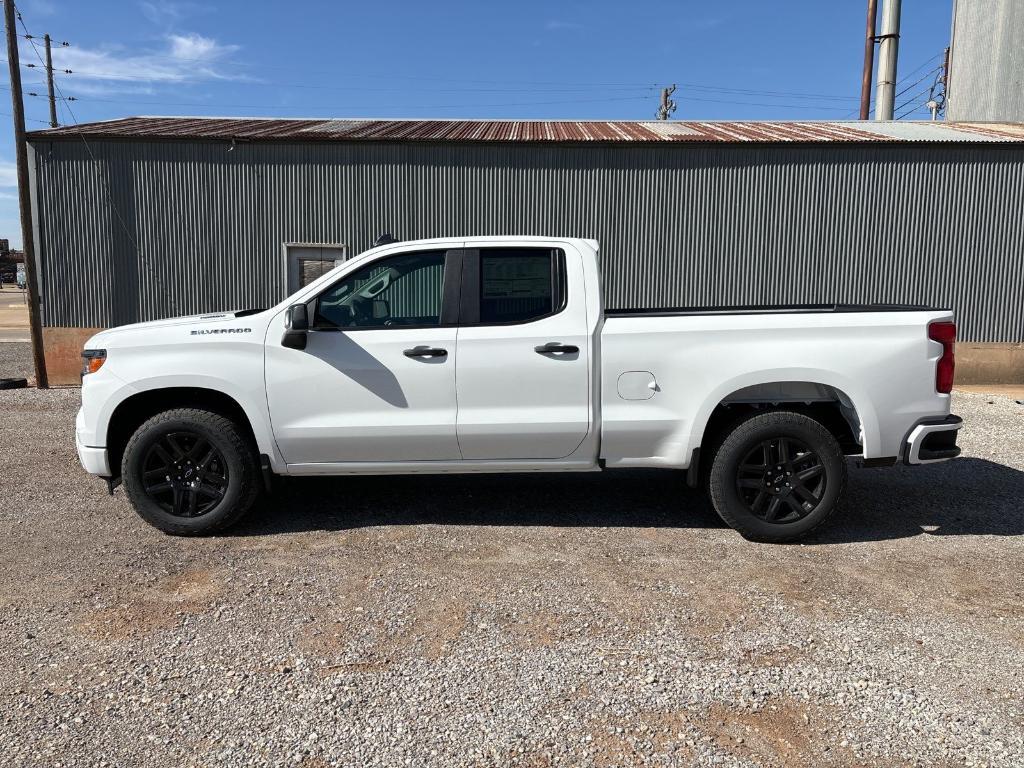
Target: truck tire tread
[762,426]
[247,470]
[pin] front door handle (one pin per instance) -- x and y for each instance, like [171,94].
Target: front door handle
[554,348]
[425,352]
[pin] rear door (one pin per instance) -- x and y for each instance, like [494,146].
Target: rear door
[522,367]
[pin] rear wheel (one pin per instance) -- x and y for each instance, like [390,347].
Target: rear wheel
[189,472]
[777,476]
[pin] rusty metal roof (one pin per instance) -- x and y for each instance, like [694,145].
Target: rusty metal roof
[561,131]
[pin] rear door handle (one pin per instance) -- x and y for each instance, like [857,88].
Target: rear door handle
[554,348]
[425,352]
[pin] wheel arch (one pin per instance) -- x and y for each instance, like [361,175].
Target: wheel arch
[837,403]
[137,408]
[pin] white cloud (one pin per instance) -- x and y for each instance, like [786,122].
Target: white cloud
[183,58]
[37,8]
[198,48]
[8,174]
[170,12]
[107,88]
[562,26]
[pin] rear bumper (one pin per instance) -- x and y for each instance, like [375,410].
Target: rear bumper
[933,441]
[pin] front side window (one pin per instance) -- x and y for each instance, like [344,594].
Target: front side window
[403,290]
[516,284]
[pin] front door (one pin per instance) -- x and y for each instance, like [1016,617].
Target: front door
[522,369]
[376,381]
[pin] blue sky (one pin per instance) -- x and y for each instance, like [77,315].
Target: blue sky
[732,59]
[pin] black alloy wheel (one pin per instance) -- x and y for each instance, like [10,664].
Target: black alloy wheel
[776,476]
[781,480]
[184,474]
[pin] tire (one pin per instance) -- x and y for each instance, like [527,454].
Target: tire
[748,478]
[169,484]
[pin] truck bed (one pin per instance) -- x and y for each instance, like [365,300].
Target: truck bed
[875,358]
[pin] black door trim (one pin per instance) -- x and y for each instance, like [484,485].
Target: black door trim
[453,279]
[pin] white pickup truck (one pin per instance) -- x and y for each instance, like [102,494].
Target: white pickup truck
[494,354]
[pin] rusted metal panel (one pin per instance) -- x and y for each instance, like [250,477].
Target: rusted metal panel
[528,131]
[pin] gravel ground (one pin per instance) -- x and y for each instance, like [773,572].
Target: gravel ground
[592,620]
[15,360]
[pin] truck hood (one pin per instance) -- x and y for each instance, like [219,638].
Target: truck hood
[216,322]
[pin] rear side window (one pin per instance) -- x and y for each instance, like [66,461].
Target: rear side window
[518,284]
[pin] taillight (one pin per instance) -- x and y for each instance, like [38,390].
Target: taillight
[945,334]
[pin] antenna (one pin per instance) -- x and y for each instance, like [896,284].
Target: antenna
[385,239]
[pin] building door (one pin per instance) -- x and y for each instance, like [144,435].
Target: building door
[305,262]
[522,367]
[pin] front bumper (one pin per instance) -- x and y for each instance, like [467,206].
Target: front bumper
[94,460]
[933,441]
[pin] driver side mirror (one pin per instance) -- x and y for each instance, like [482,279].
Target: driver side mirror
[296,324]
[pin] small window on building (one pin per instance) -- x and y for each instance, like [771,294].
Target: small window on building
[401,290]
[312,270]
[306,263]
[517,284]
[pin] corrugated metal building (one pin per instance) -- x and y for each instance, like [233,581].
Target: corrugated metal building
[986,61]
[142,218]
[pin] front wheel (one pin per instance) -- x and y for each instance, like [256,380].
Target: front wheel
[777,476]
[190,472]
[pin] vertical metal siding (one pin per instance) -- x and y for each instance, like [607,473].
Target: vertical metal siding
[694,225]
[986,68]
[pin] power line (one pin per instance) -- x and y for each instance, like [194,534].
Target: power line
[762,104]
[409,106]
[906,77]
[918,68]
[920,80]
[911,111]
[752,92]
[912,100]
[578,88]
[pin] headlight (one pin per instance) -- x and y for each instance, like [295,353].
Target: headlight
[92,360]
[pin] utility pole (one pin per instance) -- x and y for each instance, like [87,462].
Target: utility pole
[869,61]
[888,51]
[667,106]
[937,101]
[21,151]
[49,82]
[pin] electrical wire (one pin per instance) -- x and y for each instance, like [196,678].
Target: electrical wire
[906,77]
[911,100]
[918,68]
[579,88]
[752,92]
[408,106]
[916,82]
[911,111]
